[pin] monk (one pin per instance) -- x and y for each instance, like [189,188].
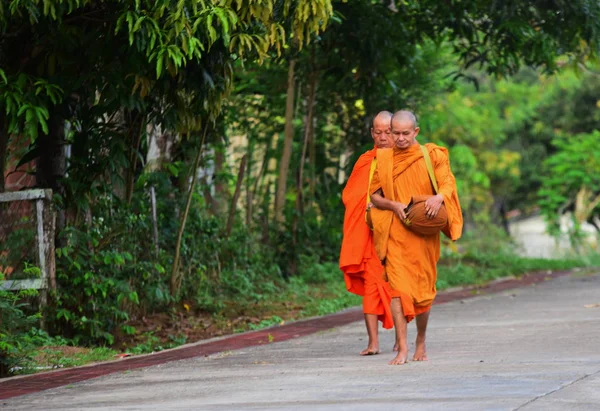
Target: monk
[411,259]
[363,271]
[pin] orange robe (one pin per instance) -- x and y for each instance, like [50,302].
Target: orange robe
[363,272]
[411,259]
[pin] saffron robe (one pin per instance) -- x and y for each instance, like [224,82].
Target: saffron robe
[363,271]
[411,259]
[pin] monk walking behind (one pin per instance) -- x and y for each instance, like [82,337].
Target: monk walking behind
[410,259]
[363,271]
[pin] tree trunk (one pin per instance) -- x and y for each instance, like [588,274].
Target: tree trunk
[219,206]
[138,126]
[249,198]
[265,216]
[312,160]
[503,218]
[261,172]
[286,155]
[236,195]
[175,282]
[154,221]
[585,203]
[51,165]
[208,197]
[267,170]
[308,131]
[3,148]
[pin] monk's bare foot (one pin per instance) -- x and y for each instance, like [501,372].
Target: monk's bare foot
[420,351]
[401,358]
[370,351]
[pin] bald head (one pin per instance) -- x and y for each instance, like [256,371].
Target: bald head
[405,116]
[404,129]
[381,130]
[382,117]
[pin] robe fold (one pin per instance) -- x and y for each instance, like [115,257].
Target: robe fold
[363,272]
[411,259]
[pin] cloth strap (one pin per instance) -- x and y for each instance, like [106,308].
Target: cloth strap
[429,169]
[371,172]
[367,213]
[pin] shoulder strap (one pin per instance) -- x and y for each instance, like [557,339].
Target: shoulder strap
[429,168]
[371,172]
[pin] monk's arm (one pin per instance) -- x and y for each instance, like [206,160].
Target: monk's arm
[383,203]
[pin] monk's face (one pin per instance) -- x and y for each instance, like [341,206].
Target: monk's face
[404,133]
[382,133]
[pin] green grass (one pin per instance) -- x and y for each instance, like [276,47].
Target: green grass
[320,288]
[62,357]
[488,254]
[481,269]
[152,343]
[40,352]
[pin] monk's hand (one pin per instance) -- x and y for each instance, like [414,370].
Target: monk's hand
[432,206]
[399,210]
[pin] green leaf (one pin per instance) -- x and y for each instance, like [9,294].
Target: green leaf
[159,66]
[138,23]
[22,109]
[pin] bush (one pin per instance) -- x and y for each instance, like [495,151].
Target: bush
[488,253]
[16,318]
[109,272]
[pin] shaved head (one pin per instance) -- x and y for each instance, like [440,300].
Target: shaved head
[381,130]
[382,117]
[404,116]
[404,129]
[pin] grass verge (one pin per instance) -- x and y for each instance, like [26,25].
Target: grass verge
[37,351]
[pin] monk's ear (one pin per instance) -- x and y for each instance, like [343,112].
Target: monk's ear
[417,129]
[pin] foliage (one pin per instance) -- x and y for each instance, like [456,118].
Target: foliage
[111,279]
[39,351]
[16,318]
[501,37]
[99,274]
[16,249]
[475,264]
[164,44]
[54,356]
[501,134]
[573,177]
[328,283]
[154,344]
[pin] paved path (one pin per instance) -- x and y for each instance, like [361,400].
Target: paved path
[530,348]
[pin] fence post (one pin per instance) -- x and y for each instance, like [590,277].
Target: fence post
[45,220]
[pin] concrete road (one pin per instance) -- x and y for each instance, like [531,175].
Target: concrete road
[534,348]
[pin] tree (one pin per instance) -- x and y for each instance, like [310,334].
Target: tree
[573,179]
[501,37]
